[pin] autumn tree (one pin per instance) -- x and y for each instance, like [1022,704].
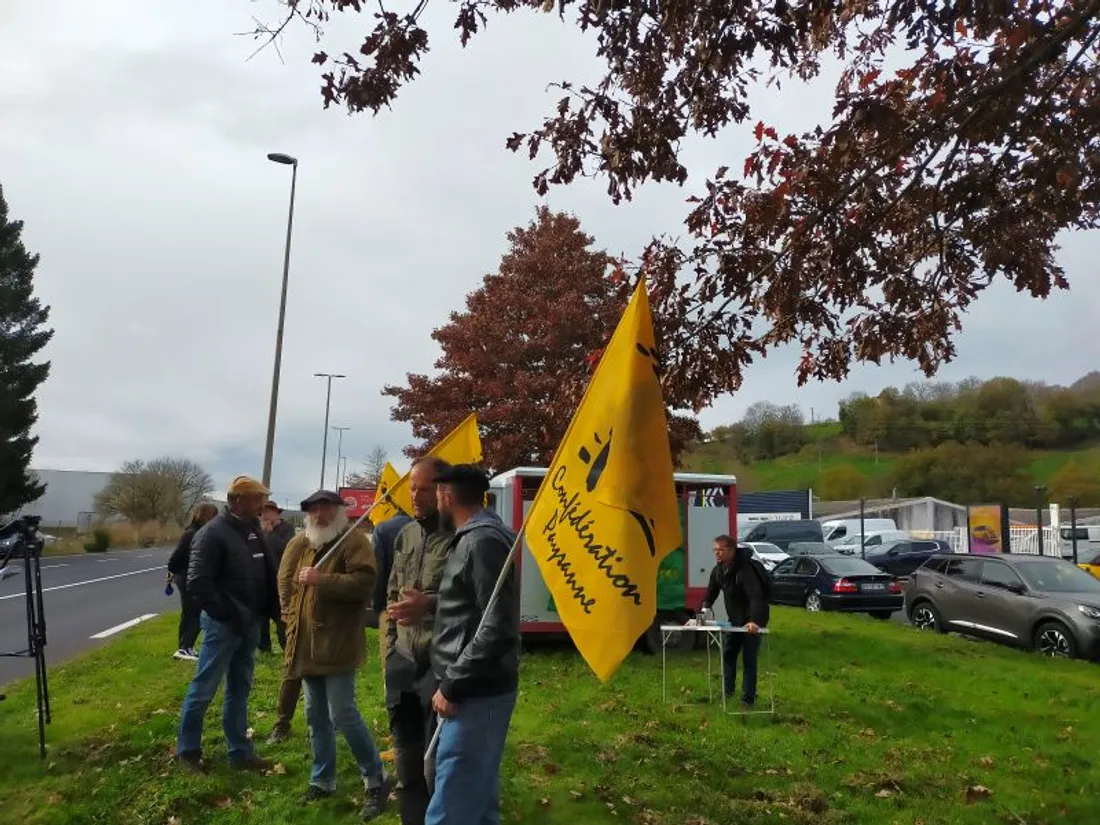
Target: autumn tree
[522,352]
[962,143]
[163,490]
[967,474]
[23,334]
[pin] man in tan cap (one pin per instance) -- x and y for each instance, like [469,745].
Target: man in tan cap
[232,577]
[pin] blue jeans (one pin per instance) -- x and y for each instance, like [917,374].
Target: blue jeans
[467,762]
[225,654]
[330,706]
[748,646]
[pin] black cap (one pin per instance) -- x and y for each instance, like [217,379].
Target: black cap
[467,476]
[322,497]
[271,505]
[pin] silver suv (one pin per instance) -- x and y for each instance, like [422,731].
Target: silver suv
[1035,602]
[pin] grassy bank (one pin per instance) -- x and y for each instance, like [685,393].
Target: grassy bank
[876,724]
[122,536]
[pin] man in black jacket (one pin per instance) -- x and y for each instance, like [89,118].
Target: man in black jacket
[232,578]
[744,592]
[475,661]
[178,563]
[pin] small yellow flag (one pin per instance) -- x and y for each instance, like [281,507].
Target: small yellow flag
[606,514]
[384,509]
[462,445]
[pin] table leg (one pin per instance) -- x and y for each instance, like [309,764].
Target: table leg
[710,679]
[664,667]
[722,664]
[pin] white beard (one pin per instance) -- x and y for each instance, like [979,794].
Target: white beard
[320,536]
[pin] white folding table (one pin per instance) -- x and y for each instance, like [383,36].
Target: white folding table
[712,632]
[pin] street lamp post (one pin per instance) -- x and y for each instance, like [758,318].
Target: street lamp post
[328,404]
[269,446]
[339,452]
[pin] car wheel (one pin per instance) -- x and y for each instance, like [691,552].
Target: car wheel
[813,602]
[1053,640]
[926,617]
[881,615]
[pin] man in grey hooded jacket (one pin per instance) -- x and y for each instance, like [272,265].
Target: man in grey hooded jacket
[476,661]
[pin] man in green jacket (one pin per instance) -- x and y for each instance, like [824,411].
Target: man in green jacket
[325,610]
[420,553]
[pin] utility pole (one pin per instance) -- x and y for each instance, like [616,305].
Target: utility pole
[328,402]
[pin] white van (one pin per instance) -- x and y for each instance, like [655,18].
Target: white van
[851,541]
[1088,538]
[841,528]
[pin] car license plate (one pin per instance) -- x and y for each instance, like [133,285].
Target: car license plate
[874,586]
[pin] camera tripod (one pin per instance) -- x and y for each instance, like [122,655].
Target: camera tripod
[19,539]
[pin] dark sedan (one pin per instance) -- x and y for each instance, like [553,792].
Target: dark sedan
[901,558]
[835,583]
[813,548]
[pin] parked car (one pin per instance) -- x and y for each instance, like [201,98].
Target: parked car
[901,558]
[1035,602]
[871,539]
[836,582]
[837,530]
[812,548]
[768,554]
[782,533]
[1089,561]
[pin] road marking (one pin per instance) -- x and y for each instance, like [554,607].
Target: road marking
[89,581]
[118,628]
[104,561]
[146,556]
[51,566]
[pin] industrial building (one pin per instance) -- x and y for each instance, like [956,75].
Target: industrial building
[69,500]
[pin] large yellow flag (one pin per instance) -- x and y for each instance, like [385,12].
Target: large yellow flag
[462,445]
[384,509]
[606,513]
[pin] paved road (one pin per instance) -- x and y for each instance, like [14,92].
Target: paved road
[83,596]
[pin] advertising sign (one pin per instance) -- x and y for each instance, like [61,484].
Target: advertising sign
[984,528]
[358,501]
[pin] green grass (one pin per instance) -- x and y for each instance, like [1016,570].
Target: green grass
[876,723]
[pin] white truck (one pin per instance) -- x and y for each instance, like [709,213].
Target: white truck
[708,508]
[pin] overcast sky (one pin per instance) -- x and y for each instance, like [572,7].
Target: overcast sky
[133,138]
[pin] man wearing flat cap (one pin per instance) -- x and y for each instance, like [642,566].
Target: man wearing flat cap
[231,576]
[475,654]
[325,610]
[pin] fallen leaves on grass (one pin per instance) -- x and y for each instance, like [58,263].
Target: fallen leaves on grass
[885,793]
[279,769]
[987,762]
[977,793]
[529,754]
[388,755]
[223,803]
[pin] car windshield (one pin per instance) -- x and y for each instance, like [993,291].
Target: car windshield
[1057,577]
[849,567]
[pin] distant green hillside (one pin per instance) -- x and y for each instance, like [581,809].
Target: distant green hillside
[828,452]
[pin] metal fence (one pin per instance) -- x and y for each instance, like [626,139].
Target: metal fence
[1023,540]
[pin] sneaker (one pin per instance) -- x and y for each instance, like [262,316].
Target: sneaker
[314,794]
[185,655]
[278,736]
[377,800]
[191,763]
[251,763]
[193,653]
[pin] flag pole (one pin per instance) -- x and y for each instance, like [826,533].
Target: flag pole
[429,752]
